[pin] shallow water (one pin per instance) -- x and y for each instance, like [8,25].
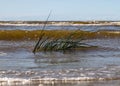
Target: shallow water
[94,66]
[102,63]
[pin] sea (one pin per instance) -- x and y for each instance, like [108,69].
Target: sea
[95,66]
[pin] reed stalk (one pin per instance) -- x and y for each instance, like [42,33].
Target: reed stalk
[41,34]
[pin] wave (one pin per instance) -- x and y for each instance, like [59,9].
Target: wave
[64,76]
[34,34]
[30,23]
[31,82]
[3,54]
[49,80]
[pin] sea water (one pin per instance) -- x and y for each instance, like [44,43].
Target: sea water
[95,66]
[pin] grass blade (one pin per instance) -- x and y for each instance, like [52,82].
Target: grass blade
[41,34]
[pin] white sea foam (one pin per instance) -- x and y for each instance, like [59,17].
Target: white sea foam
[20,81]
[13,81]
[57,24]
[3,54]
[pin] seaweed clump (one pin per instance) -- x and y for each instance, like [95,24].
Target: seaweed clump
[50,44]
[59,44]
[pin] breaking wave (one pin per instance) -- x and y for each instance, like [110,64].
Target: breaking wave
[60,76]
[34,34]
